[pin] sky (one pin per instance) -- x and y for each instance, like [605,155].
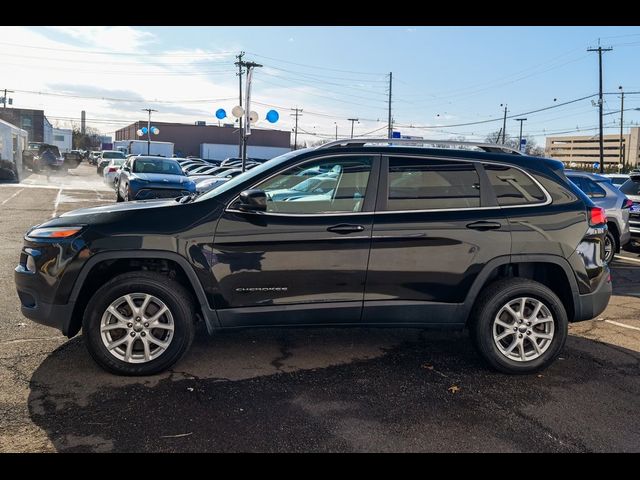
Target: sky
[443,77]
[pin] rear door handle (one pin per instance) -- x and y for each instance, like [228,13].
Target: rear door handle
[482,226]
[345,228]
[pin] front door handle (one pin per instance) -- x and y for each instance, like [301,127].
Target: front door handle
[345,228]
[482,226]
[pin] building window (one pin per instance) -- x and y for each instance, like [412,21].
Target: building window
[58,138]
[26,122]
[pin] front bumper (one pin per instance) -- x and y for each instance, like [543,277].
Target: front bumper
[35,308]
[590,305]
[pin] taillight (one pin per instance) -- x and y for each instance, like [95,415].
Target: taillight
[626,203]
[597,216]
[112,169]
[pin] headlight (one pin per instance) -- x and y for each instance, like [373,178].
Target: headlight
[54,232]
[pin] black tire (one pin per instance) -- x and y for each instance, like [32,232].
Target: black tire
[118,197]
[488,305]
[178,300]
[613,238]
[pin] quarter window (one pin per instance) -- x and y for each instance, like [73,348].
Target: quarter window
[512,186]
[325,186]
[421,184]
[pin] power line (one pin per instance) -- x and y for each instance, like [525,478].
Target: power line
[315,66]
[142,54]
[204,100]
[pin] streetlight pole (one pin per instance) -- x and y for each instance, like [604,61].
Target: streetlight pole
[149,129]
[520,137]
[336,124]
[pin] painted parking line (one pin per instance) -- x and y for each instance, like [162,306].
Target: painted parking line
[12,196]
[635,260]
[55,205]
[622,325]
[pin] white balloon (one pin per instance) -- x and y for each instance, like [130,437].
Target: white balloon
[139,132]
[156,131]
[237,111]
[253,116]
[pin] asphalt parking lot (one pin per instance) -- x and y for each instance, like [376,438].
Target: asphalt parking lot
[290,390]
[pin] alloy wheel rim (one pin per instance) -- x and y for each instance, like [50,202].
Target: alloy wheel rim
[137,328]
[523,329]
[608,249]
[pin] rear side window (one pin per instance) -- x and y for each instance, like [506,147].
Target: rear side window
[424,184]
[512,186]
[631,187]
[588,186]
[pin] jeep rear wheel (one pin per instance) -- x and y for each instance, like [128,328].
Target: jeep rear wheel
[139,323]
[519,325]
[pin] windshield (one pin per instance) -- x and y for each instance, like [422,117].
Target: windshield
[157,165]
[117,161]
[112,155]
[255,172]
[631,187]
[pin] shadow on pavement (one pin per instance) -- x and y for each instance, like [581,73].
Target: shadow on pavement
[291,390]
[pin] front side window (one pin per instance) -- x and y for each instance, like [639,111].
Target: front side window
[512,186]
[425,184]
[336,185]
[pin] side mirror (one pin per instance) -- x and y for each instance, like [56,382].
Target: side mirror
[253,201]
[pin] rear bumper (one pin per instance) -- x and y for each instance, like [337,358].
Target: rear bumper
[590,305]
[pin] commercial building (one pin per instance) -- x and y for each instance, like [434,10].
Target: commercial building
[582,151]
[212,141]
[34,122]
[63,139]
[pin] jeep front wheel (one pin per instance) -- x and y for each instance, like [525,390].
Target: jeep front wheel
[519,325]
[139,323]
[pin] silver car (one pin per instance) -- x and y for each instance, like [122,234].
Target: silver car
[616,204]
[631,188]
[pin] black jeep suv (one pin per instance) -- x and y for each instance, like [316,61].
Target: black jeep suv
[396,236]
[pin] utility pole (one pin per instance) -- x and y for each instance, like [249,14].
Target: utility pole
[83,122]
[390,124]
[149,129]
[246,131]
[240,131]
[336,124]
[520,137]
[498,137]
[600,102]
[622,159]
[295,132]
[504,123]
[5,96]
[352,120]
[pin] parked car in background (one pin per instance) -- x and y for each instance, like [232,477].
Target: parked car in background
[617,178]
[144,178]
[631,188]
[111,170]
[73,158]
[107,156]
[94,156]
[616,204]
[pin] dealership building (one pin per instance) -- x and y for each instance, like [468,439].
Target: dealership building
[582,151]
[211,141]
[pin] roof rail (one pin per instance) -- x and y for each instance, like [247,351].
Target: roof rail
[487,147]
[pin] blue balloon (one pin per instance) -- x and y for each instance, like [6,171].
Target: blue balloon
[220,113]
[144,130]
[272,116]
